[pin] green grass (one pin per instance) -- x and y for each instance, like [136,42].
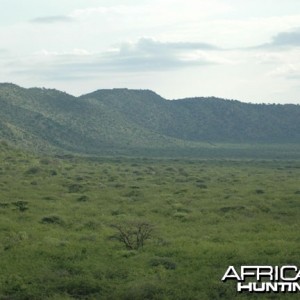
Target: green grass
[57,242]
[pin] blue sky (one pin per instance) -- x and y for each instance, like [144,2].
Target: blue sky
[236,49]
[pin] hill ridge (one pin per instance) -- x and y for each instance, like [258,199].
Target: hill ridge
[125,120]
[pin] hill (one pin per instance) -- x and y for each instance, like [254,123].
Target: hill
[139,122]
[205,119]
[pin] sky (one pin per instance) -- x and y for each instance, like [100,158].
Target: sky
[247,50]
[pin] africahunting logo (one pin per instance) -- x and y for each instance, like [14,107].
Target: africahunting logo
[264,279]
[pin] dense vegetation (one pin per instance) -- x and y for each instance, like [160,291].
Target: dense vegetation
[140,123]
[205,119]
[121,194]
[60,218]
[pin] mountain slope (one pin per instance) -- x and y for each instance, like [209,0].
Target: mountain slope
[206,119]
[51,118]
[122,121]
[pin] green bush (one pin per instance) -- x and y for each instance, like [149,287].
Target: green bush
[81,287]
[83,198]
[163,261]
[52,220]
[75,188]
[21,205]
[33,171]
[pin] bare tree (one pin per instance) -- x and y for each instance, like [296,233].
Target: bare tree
[133,234]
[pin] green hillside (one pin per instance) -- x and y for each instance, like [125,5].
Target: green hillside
[205,119]
[53,119]
[140,122]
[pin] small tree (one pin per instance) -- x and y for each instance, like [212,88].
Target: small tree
[133,234]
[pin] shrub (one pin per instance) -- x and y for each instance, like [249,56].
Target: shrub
[133,193]
[48,198]
[127,253]
[52,220]
[45,161]
[13,239]
[259,191]
[133,234]
[163,261]
[75,188]
[232,208]
[201,185]
[21,205]
[15,287]
[32,171]
[53,173]
[83,198]
[80,288]
[182,216]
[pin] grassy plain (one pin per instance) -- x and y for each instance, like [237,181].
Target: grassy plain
[57,242]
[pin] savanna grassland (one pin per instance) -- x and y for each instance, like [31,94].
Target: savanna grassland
[58,219]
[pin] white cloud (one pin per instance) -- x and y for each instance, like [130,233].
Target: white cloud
[107,10]
[240,33]
[143,56]
[52,19]
[286,39]
[166,8]
[289,71]
[74,52]
[269,57]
